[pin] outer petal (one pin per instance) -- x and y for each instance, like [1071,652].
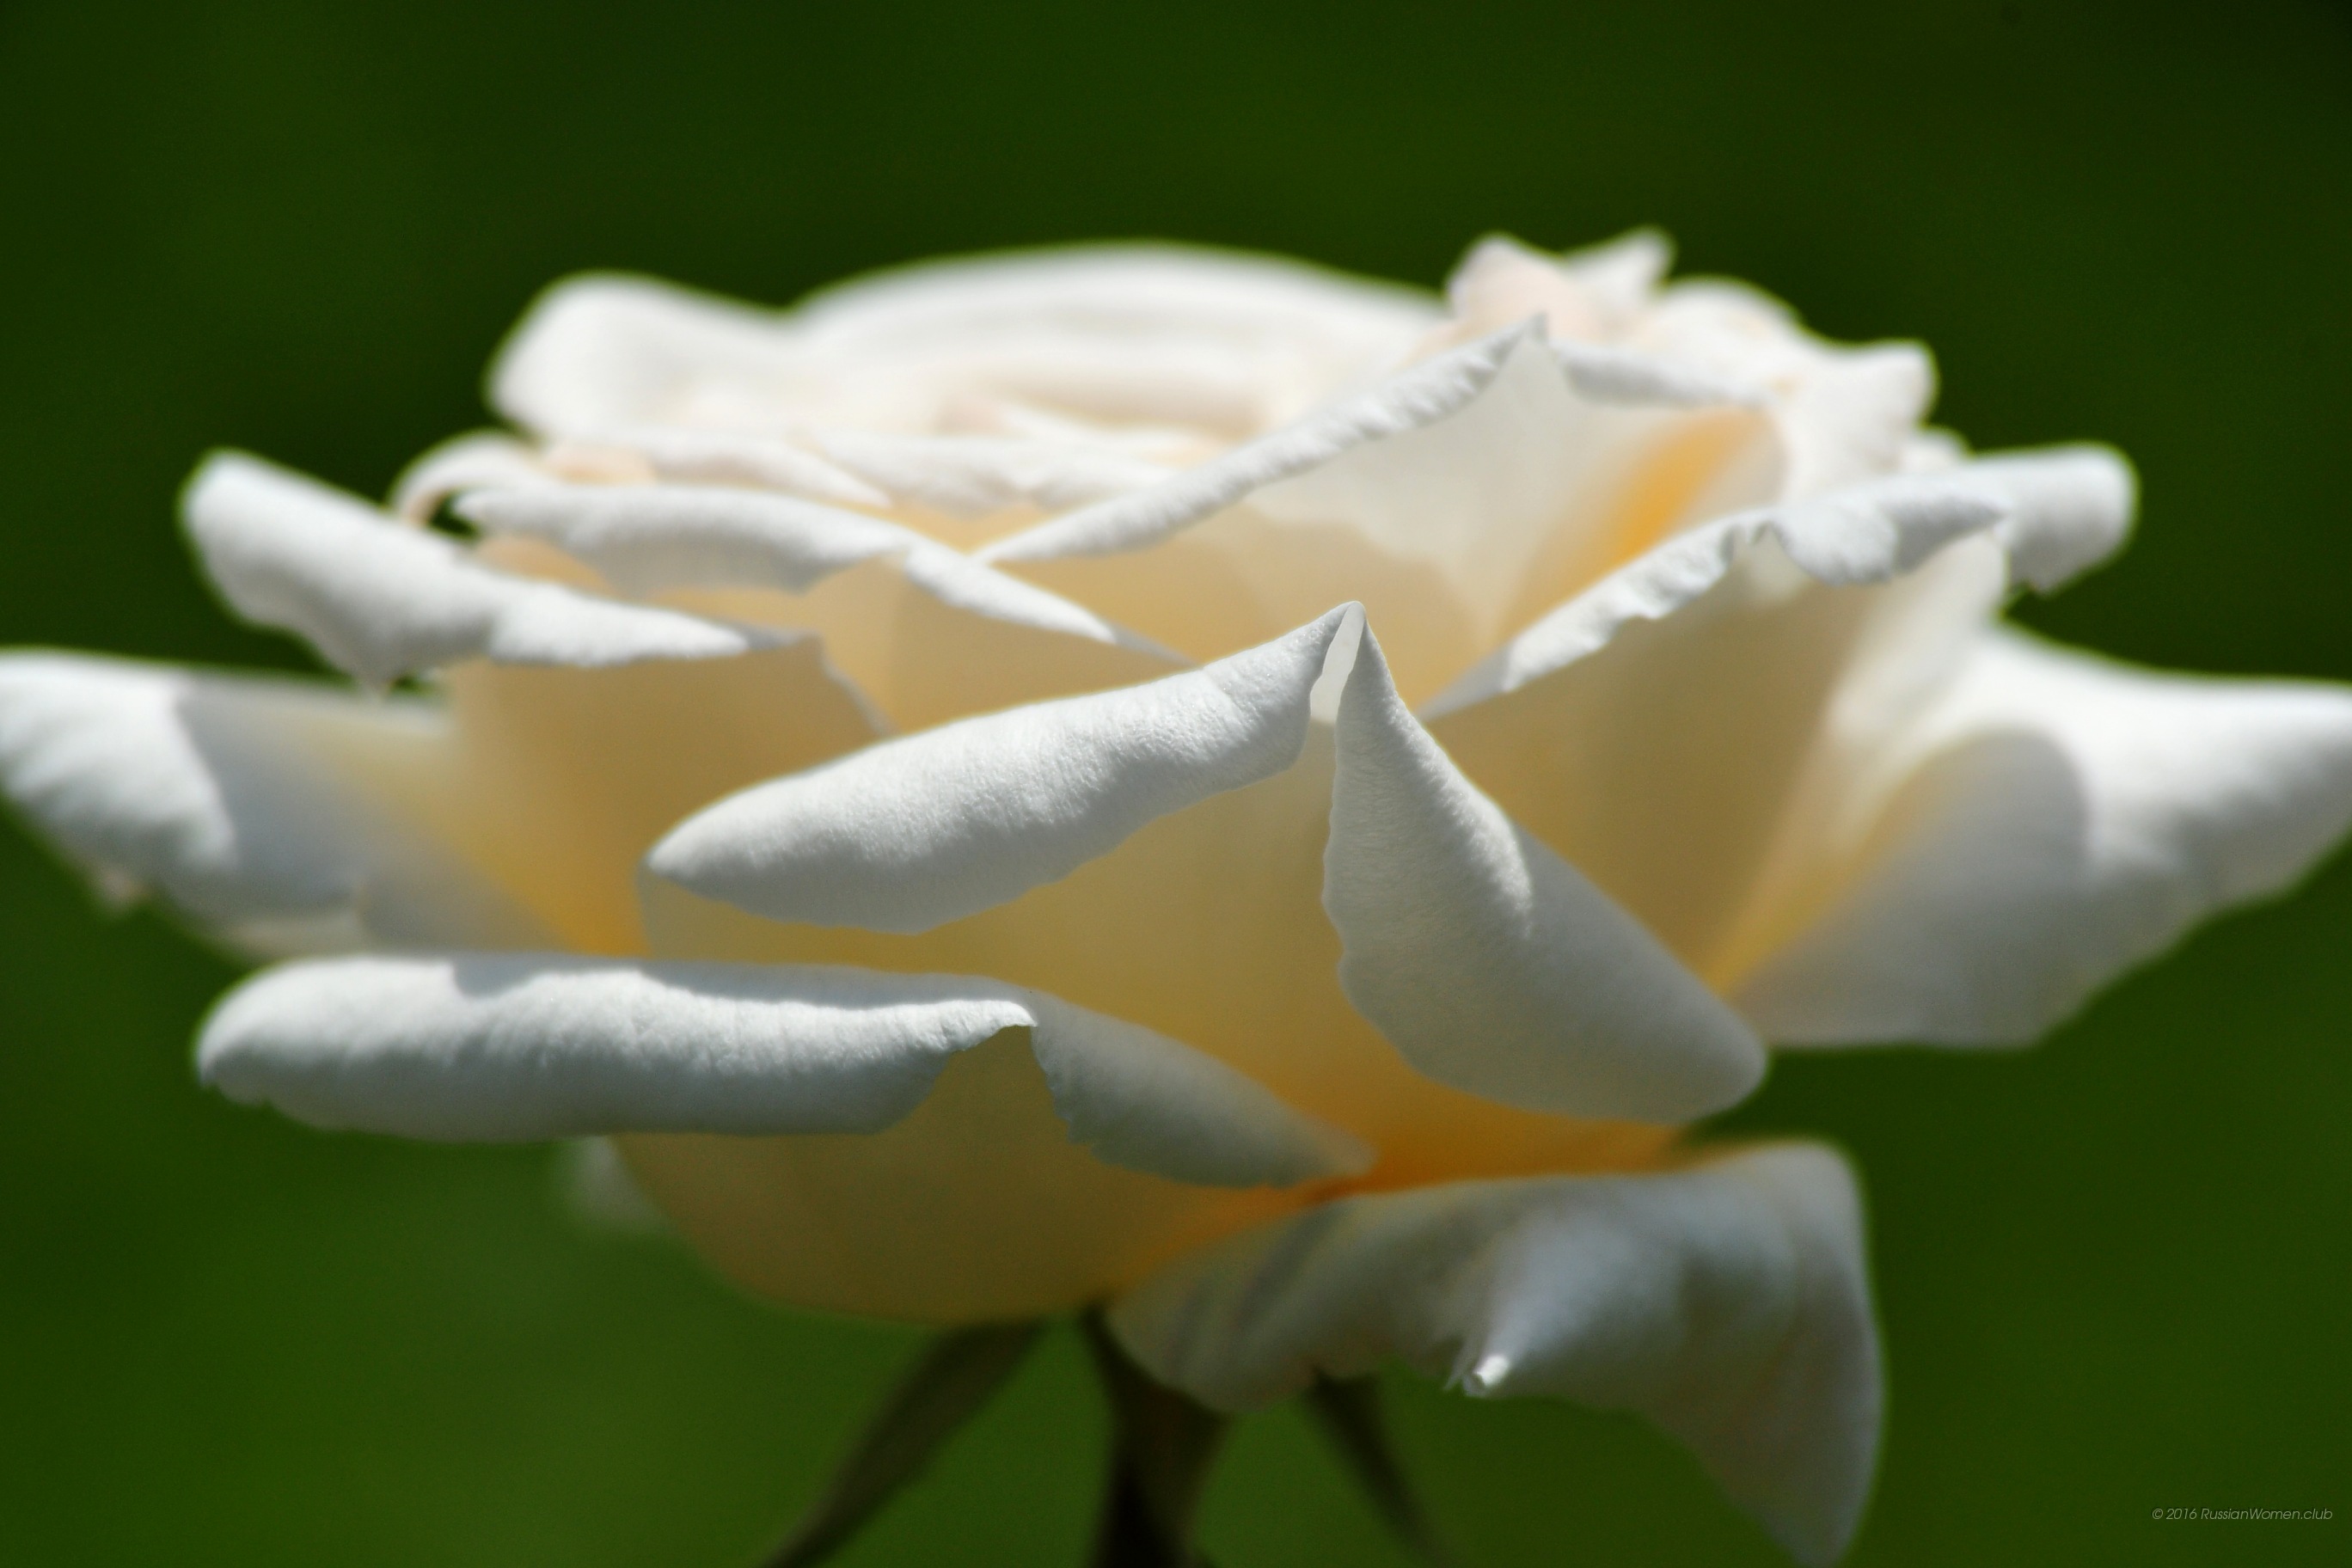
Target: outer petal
[981,1201]
[533,1046]
[381,600]
[1163,334]
[264,809]
[914,833]
[1790,645]
[1488,961]
[648,538]
[1728,1303]
[2052,819]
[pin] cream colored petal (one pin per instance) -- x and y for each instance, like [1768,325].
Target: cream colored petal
[381,600]
[1121,333]
[734,458]
[604,350]
[971,476]
[485,458]
[564,778]
[1728,1303]
[917,832]
[1587,295]
[2071,507]
[929,638]
[1492,964]
[262,809]
[645,539]
[1658,730]
[1844,414]
[1610,374]
[2057,819]
[1124,333]
[1206,925]
[1866,534]
[1453,521]
[507,1047]
[936,833]
[1408,400]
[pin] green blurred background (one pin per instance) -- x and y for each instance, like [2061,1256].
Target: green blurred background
[2113,1272]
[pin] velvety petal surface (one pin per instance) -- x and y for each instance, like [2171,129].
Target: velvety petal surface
[381,600]
[2051,819]
[870,1142]
[1489,961]
[917,832]
[1728,1302]
[514,1047]
[270,812]
[1786,644]
[1455,500]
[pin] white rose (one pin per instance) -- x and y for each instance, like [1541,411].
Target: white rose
[911,771]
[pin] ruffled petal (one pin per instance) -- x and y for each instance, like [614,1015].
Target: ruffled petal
[2052,819]
[1866,534]
[509,1047]
[1657,732]
[1844,414]
[1728,1303]
[381,600]
[1455,499]
[262,809]
[917,832]
[1492,964]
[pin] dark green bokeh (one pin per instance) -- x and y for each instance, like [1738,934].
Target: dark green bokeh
[2112,1273]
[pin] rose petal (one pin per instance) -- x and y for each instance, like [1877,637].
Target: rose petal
[648,538]
[1866,534]
[977,476]
[2071,507]
[916,832]
[506,1048]
[483,459]
[1843,412]
[1488,961]
[1407,401]
[1207,925]
[381,600]
[1455,501]
[2058,819]
[258,807]
[1126,332]
[1590,294]
[1796,638]
[564,778]
[1728,1303]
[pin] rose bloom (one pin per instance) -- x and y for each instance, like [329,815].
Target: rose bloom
[1174,781]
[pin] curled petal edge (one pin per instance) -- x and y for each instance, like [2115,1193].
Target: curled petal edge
[504,1048]
[1728,1302]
